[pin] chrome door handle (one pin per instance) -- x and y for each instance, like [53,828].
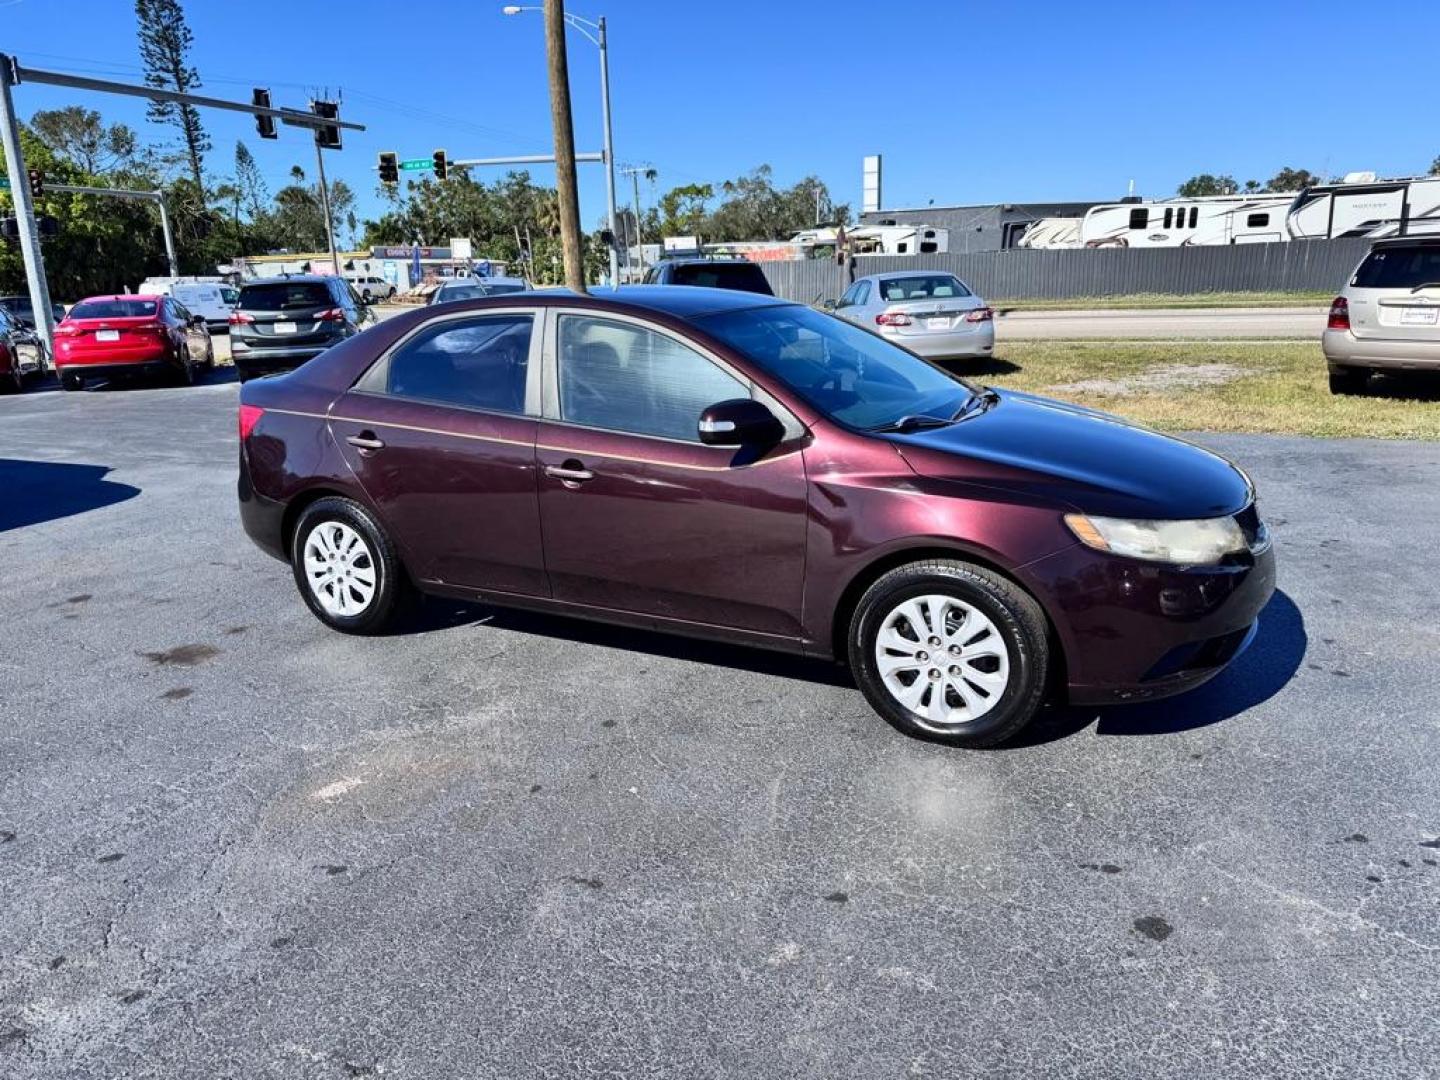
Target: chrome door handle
[365,442]
[576,475]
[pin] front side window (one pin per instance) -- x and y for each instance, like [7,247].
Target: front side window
[623,377]
[849,374]
[476,363]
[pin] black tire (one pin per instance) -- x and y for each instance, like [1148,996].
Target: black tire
[1015,616]
[392,587]
[72,382]
[1349,381]
[186,375]
[14,379]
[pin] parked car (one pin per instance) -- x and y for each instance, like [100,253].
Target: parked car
[711,274]
[213,299]
[726,465]
[476,288]
[125,336]
[931,313]
[21,310]
[279,323]
[371,289]
[1388,317]
[12,337]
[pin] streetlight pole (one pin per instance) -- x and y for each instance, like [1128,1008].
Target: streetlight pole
[24,207]
[595,33]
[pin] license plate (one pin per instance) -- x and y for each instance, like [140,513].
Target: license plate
[1419,316]
[937,324]
[107,335]
[285,328]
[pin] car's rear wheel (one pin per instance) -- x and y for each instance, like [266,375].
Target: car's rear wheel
[1349,380]
[951,652]
[71,381]
[346,567]
[14,380]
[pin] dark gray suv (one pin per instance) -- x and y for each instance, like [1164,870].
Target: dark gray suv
[279,323]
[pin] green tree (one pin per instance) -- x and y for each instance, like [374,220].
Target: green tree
[79,135]
[249,182]
[682,210]
[1205,184]
[165,41]
[1288,179]
[1435,167]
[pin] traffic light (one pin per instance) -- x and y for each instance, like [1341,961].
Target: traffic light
[441,164]
[265,125]
[389,168]
[37,183]
[10,228]
[328,136]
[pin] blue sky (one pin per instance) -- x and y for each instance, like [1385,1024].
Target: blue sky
[968,101]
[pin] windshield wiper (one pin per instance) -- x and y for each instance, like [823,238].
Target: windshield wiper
[1427,285]
[912,423]
[978,401]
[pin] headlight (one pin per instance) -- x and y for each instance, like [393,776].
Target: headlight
[1203,541]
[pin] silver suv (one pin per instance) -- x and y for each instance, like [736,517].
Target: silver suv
[1388,317]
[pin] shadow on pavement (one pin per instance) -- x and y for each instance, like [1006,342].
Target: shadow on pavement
[439,614]
[36,491]
[1256,675]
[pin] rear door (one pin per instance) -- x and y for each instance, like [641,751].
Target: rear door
[1395,294]
[440,432]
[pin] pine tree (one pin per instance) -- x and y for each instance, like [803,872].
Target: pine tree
[253,192]
[165,42]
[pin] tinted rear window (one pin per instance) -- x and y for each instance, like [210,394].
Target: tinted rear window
[745,277]
[285,296]
[1399,268]
[113,309]
[475,292]
[923,287]
[18,305]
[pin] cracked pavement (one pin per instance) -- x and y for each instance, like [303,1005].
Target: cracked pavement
[234,844]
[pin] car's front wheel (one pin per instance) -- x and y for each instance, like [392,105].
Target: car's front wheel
[1349,381]
[346,567]
[951,652]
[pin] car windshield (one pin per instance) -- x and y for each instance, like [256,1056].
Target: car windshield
[922,287]
[849,374]
[285,296]
[1400,268]
[18,305]
[113,309]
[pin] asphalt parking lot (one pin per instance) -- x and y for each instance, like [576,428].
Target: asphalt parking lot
[235,844]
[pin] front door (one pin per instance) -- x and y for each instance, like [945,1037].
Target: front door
[638,515]
[441,435]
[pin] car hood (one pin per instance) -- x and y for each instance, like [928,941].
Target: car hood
[1088,460]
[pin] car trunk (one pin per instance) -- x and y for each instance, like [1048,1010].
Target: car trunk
[112,339]
[285,315]
[1395,295]
[937,315]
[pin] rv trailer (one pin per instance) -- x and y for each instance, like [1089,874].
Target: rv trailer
[1361,205]
[1211,219]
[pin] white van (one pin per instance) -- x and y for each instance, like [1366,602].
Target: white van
[212,299]
[372,289]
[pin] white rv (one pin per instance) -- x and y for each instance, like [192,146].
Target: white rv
[1052,233]
[1362,205]
[898,240]
[1213,219]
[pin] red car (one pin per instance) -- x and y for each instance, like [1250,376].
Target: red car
[729,465]
[122,336]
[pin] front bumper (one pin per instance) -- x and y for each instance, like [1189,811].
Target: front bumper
[1135,630]
[1344,350]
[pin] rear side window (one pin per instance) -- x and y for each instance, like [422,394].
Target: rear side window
[1399,268]
[113,309]
[285,296]
[475,363]
[744,277]
[923,287]
[626,378]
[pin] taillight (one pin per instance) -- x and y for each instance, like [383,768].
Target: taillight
[892,318]
[1339,315]
[239,318]
[333,315]
[66,329]
[981,314]
[249,417]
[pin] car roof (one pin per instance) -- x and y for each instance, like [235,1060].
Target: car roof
[893,274]
[121,296]
[685,301]
[697,260]
[288,279]
[1407,241]
[501,279]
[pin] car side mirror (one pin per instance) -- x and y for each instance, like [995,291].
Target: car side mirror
[829,303]
[739,422]
[197,320]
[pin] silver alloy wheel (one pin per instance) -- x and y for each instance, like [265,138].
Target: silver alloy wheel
[942,659]
[339,569]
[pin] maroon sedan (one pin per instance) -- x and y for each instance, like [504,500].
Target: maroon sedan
[732,466]
[119,336]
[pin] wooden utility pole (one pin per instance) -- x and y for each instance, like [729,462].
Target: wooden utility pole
[570,240]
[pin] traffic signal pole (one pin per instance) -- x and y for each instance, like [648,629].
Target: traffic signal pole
[325,205]
[24,206]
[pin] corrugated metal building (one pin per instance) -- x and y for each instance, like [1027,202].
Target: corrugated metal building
[984,227]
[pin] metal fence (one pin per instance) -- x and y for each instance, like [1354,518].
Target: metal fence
[1020,274]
